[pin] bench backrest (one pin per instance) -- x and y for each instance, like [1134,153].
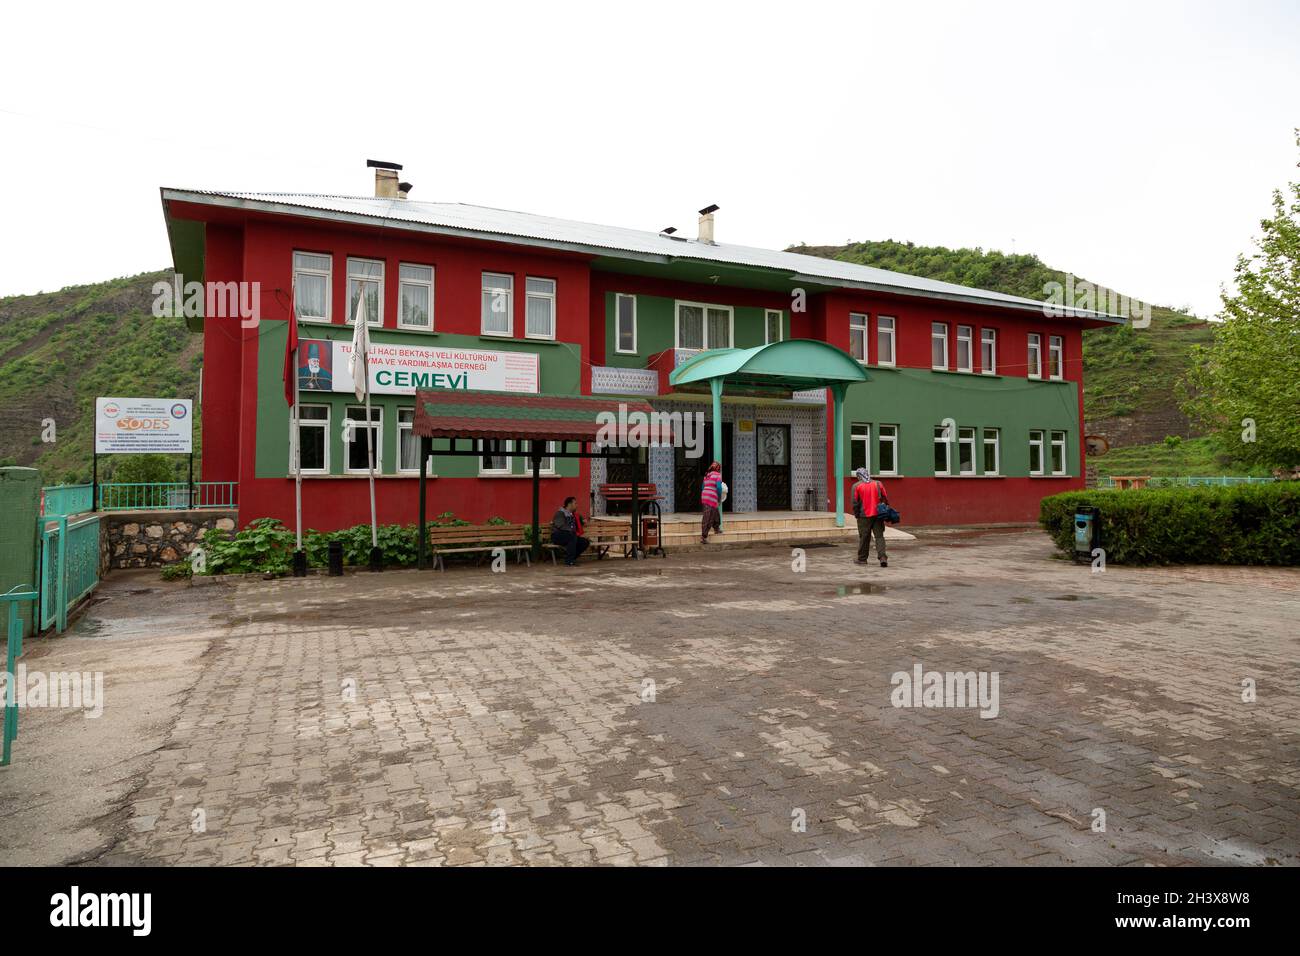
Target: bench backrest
[473,533]
[624,489]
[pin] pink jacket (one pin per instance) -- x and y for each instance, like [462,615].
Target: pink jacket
[709,491]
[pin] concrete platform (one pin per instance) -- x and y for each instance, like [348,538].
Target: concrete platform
[682,529]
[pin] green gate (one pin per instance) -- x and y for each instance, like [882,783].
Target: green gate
[69,567]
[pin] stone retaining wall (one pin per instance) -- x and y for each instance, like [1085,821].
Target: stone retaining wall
[152,539]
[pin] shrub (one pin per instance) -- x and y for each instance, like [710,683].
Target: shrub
[1243,524]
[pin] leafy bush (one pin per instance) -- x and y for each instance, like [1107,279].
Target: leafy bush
[1244,524]
[265,546]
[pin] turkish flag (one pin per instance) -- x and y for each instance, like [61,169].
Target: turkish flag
[291,350]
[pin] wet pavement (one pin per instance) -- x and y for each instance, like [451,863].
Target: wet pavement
[711,707]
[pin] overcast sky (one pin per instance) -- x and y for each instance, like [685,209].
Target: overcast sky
[1136,144]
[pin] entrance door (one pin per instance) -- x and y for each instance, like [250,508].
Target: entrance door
[773,467]
[688,475]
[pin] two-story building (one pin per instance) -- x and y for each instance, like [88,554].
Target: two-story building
[972,412]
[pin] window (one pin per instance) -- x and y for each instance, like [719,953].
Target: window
[858,336]
[546,466]
[939,345]
[408,445]
[357,438]
[625,323]
[366,276]
[311,287]
[885,340]
[539,308]
[1035,355]
[966,451]
[498,303]
[888,463]
[415,297]
[1035,453]
[989,351]
[313,439]
[495,454]
[1058,453]
[1055,357]
[992,451]
[773,326]
[859,447]
[942,450]
[703,326]
[964,349]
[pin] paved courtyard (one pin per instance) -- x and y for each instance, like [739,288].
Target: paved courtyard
[711,708]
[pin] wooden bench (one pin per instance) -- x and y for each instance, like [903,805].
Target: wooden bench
[603,533]
[469,538]
[622,491]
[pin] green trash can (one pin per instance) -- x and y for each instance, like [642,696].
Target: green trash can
[1087,532]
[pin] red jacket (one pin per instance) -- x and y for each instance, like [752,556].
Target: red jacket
[870,493]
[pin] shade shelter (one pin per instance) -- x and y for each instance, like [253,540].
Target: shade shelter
[780,367]
[580,427]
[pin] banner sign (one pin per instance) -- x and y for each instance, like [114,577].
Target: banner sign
[144,425]
[401,369]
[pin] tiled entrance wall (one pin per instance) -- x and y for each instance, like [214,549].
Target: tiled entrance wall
[808,449]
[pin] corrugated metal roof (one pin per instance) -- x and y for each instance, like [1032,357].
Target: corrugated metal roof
[615,241]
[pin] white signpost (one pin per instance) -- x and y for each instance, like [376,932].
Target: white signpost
[144,426]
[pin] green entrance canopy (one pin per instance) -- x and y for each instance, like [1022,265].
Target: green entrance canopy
[792,365]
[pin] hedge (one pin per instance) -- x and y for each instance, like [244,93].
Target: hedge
[1243,524]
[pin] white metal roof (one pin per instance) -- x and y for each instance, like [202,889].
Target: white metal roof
[485,222]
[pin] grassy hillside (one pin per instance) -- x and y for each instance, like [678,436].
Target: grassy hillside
[1130,375]
[60,350]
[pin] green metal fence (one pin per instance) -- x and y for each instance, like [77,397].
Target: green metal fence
[1185,482]
[166,495]
[67,499]
[69,568]
[13,651]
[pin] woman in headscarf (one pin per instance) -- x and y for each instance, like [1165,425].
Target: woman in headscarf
[710,499]
[868,495]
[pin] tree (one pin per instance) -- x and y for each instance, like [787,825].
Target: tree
[1245,385]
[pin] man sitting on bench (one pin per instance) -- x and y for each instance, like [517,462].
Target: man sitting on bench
[564,532]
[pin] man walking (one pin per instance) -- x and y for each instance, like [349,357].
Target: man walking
[868,495]
[710,498]
[564,532]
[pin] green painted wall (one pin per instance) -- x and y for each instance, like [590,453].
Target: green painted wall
[560,375]
[918,400]
[655,328]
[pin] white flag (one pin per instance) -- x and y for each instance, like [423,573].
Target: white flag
[358,363]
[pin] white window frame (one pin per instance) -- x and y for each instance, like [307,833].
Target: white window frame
[618,317]
[1036,439]
[677,325]
[374,322]
[941,439]
[864,438]
[547,468]
[989,340]
[860,322]
[506,452]
[992,437]
[401,282]
[294,439]
[965,336]
[1065,456]
[1034,355]
[967,435]
[1056,357]
[548,297]
[409,427]
[377,425]
[780,326]
[891,439]
[889,331]
[484,289]
[327,274]
[939,332]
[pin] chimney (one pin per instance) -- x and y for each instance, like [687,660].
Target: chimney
[706,224]
[404,190]
[386,185]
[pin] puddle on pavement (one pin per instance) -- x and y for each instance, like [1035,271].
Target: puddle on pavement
[1072,597]
[845,590]
[1022,600]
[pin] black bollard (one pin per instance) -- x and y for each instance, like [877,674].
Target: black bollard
[376,559]
[300,564]
[336,558]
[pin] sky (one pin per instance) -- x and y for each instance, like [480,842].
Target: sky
[1134,144]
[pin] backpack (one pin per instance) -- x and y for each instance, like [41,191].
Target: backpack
[857,502]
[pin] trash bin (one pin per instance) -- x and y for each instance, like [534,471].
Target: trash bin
[1087,532]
